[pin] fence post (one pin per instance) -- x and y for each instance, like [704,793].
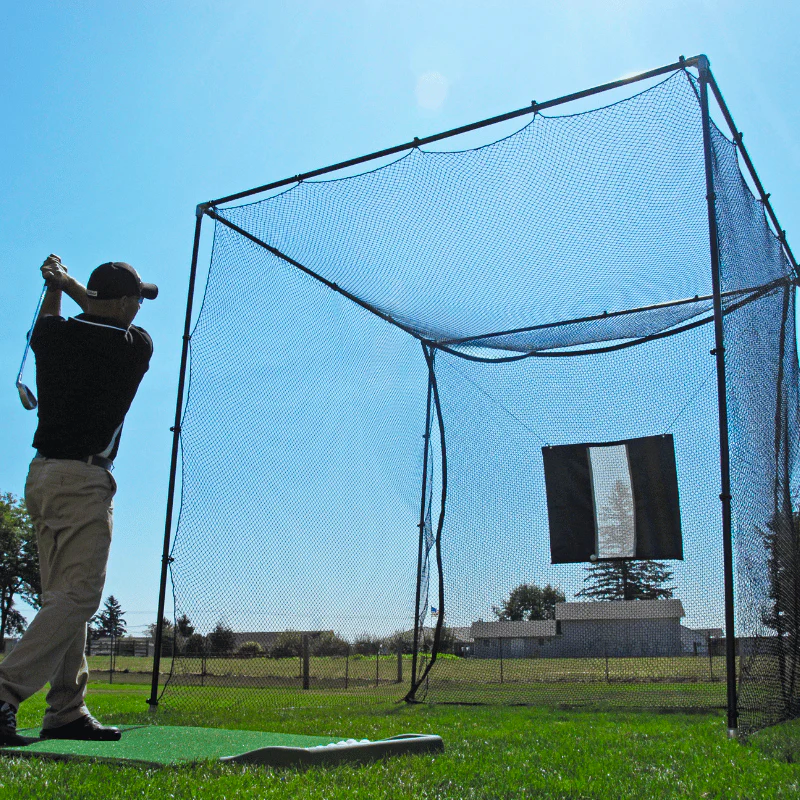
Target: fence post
[377,665]
[399,664]
[111,661]
[608,680]
[347,667]
[710,660]
[306,659]
[500,641]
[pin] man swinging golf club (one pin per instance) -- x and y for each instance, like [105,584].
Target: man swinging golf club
[88,369]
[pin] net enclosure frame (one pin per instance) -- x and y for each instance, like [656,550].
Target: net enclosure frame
[707,88]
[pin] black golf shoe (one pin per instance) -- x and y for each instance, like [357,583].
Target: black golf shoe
[8,727]
[85,729]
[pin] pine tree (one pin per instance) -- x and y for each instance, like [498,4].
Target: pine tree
[185,627]
[618,579]
[616,523]
[782,542]
[110,621]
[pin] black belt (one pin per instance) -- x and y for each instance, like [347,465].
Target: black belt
[97,461]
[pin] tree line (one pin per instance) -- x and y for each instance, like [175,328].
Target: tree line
[182,639]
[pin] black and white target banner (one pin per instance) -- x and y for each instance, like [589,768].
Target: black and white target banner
[613,500]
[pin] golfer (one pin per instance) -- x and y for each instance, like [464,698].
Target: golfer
[88,369]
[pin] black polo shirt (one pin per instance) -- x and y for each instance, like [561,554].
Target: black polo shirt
[87,372]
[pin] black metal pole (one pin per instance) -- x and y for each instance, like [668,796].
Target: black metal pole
[430,354]
[417,142]
[426,439]
[176,434]
[738,137]
[724,452]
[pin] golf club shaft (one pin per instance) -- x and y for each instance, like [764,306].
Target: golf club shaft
[30,333]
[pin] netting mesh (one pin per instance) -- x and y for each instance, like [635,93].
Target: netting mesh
[380,505]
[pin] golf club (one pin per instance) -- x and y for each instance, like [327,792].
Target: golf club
[26,396]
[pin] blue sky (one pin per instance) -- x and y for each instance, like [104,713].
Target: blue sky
[118,119]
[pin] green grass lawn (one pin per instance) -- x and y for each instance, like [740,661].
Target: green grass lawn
[491,752]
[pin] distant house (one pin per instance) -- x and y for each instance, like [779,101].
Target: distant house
[459,640]
[618,628]
[462,640]
[696,641]
[523,639]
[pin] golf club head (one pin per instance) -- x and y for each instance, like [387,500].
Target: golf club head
[27,397]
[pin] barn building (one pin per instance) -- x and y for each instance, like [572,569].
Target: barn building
[618,629]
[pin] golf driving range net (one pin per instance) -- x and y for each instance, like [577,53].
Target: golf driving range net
[452,430]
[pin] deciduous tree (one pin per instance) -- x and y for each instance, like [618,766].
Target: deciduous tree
[529,601]
[19,564]
[167,636]
[221,640]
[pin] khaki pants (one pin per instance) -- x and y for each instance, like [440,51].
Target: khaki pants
[71,505]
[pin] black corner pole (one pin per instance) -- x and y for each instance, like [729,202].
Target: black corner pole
[724,451]
[533,108]
[738,138]
[430,355]
[176,436]
[423,505]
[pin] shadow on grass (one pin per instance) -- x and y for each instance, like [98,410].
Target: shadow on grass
[780,742]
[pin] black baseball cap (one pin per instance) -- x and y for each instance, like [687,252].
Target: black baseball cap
[117,279]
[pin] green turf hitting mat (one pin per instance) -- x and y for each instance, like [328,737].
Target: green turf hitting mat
[156,745]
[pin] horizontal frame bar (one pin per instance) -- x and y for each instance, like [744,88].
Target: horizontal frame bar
[756,295]
[609,315]
[682,63]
